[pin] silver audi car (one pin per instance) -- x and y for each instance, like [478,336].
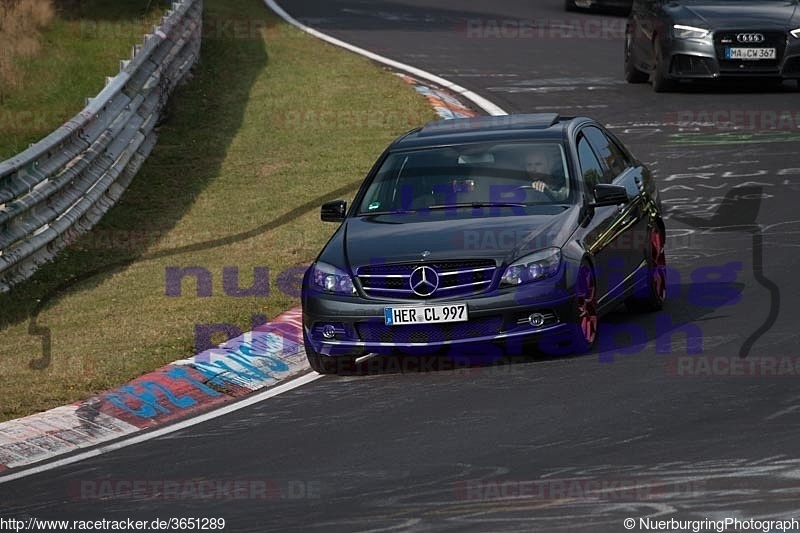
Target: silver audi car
[672,40]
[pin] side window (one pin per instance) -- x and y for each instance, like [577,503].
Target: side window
[608,151]
[591,170]
[621,156]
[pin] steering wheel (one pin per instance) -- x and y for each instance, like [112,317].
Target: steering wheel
[537,176]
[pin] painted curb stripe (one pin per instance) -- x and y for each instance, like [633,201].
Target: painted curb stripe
[255,360]
[444,103]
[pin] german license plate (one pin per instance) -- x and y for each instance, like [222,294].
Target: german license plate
[750,53]
[425,314]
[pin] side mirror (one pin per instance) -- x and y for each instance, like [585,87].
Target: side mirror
[609,195]
[333,211]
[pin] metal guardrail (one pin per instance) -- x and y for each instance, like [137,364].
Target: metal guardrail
[61,186]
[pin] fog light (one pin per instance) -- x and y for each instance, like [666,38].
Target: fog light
[536,319]
[328,331]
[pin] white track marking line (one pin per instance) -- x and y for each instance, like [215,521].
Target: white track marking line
[136,439]
[476,99]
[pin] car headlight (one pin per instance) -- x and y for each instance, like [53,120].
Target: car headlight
[533,267]
[679,31]
[328,278]
[795,33]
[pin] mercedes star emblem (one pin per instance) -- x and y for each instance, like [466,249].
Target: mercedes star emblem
[424,281]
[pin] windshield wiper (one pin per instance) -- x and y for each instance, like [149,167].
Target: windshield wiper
[387,212]
[476,205]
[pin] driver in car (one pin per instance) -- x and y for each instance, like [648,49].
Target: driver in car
[546,174]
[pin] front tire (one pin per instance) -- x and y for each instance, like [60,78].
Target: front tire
[632,74]
[586,320]
[662,83]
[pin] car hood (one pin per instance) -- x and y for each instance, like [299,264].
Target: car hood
[452,236]
[726,15]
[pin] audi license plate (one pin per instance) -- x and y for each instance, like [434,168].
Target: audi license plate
[750,53]
[427,314]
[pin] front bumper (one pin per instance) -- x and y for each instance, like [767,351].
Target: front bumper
[496,318]
[604,4]
[706,59]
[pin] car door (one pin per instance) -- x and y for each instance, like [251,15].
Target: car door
[598,225]
[631,229]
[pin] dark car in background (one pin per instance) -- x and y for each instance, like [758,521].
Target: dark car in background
[621,5]
[669,41]
[470,234]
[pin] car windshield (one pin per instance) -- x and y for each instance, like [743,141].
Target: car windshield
[511,174]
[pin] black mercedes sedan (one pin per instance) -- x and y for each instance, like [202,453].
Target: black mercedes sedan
[513,231]
[671,40]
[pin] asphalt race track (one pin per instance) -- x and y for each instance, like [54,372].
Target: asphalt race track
[647,428]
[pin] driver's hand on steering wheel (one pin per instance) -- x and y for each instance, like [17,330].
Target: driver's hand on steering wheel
[540,186]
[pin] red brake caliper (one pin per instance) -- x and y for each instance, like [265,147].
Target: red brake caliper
[658,263]
[587,306]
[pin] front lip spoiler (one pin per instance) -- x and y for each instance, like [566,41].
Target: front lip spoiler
[555,328]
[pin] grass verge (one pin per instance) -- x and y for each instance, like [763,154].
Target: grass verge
[50,64]
[272,122]
[21,22]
